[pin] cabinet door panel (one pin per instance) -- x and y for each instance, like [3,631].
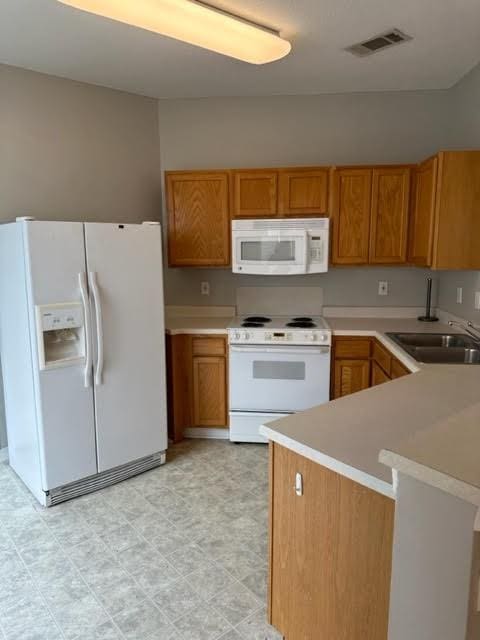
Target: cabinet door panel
[254,193]
[331,552]
[209,391]
[349,348]
[351,216]
[351,376]
[398,369]
[303,192]
[389,222]
[199,221]
[378,375]
[423,213]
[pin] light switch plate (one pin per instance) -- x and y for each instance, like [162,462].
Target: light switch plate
[459,295]
[477,299]
[205,288]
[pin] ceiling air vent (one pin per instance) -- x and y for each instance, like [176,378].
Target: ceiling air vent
[382,41]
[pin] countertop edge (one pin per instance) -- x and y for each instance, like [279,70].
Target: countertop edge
[432,477]
[196,331]
[343,469]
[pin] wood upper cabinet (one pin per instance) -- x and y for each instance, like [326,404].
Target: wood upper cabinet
[303,192]
[352,193]
[445,224]
[422,213]
[255,193]
[456,234]
[198,218]
[370,215]
[389,215]
[330,553]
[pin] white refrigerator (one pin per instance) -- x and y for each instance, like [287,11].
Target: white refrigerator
[82,347]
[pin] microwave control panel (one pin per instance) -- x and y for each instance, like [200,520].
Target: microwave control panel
[316,249]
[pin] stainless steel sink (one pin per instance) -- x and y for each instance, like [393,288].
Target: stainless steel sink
[440,348]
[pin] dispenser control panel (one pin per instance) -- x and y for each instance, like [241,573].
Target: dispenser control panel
[55,317]
[61,335]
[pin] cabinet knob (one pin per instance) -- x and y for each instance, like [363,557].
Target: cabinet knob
[298,484]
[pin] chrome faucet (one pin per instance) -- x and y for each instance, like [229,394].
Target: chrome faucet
[468,327]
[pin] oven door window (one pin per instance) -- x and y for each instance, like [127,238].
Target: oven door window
[278,370]
[268,250]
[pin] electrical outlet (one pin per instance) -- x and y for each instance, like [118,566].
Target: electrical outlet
[459,295]
[383,288]
[477,300]
[205,288]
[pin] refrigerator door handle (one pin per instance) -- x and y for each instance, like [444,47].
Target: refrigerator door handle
[92,275]
[82,281]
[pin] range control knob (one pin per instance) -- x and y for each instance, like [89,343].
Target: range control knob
[246,335]
[323,337]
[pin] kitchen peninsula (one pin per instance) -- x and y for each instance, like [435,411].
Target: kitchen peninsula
[382,537]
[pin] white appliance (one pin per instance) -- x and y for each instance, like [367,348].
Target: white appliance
[280,247]
[278,365]
[82,351]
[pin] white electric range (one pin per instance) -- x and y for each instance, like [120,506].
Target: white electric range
[278,365]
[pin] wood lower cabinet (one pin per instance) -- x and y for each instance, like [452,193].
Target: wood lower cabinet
[255,193]
[197,383]
[209,391]
[198,218]
[378,375]
[398,370]
[330,553]
[351,376]
[360,363]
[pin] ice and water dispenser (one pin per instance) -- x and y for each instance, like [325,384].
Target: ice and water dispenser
[61,335]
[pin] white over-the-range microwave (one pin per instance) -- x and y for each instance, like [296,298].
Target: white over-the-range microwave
[280,246]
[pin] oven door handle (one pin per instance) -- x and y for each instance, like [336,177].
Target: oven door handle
[281,349]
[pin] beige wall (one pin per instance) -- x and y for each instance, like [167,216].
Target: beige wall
[73,151]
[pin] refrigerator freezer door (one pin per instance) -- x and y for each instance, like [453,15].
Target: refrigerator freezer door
[55,255]
[125,275]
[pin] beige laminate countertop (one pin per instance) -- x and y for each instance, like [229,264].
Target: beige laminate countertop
[197,325]
[418,420]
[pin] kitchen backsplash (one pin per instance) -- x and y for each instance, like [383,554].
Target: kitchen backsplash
[341,286]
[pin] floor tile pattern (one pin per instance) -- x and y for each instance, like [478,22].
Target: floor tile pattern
[178,553]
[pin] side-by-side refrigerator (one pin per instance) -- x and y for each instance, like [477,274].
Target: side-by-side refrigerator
[82,349]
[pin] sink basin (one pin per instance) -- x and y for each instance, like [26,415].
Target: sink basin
[446,355]
[440,348]
[445,340]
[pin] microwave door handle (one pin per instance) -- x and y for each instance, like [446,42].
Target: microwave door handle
[306,251]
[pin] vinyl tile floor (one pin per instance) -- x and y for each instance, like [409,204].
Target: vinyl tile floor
[177,553]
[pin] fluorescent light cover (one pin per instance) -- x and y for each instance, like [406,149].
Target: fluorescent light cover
[196,23]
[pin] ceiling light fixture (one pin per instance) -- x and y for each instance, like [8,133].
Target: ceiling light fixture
[194,22]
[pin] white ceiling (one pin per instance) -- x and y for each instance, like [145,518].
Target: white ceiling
[47,36]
